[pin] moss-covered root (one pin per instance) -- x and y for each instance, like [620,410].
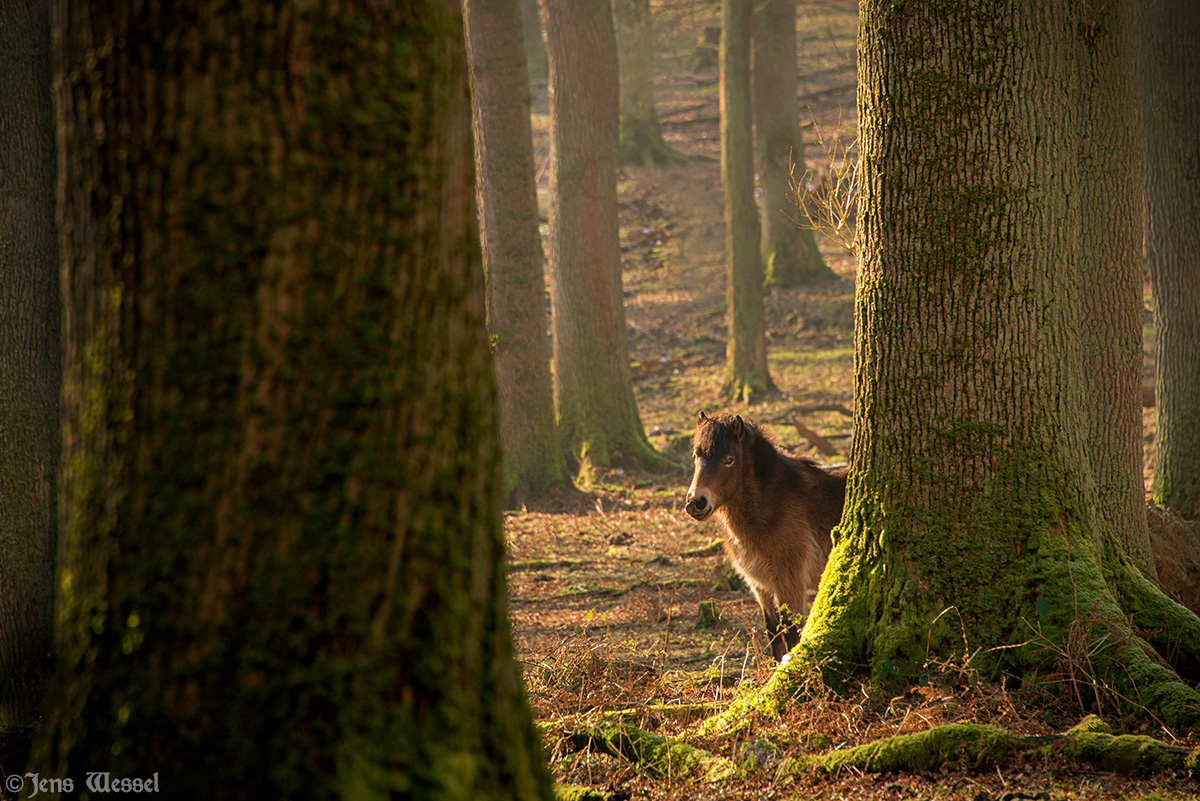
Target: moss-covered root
[575,792]
[642,143]
[658,755]
[973,744]
[1174,631]
[978,746]
[1153,687]
[1092,741]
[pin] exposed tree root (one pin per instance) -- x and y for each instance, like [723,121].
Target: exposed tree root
[642,143]
[978,746]
[972,744]
[962,744]
[819,442]
[661,756]
[575,792]
[1172,629]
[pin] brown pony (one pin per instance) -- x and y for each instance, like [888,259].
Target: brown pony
[777,512]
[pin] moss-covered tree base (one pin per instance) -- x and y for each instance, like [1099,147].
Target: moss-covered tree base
[589,460]
[642,143]
[785,267]
[748,386]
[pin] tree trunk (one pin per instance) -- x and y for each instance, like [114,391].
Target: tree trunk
[641,132]
[1170,72]
[969,522]
[512,247]
[536,63]
[789,252]
[282,539]
[746,375]
[597,414]
[1110,174]
[30,360]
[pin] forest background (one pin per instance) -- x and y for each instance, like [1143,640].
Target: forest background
[662,629]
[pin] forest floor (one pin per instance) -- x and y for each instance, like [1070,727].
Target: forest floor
[606,582]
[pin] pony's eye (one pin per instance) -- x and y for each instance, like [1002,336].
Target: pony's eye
[729,461]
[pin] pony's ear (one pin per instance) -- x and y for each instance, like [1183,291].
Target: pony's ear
[701,417]
[738,427]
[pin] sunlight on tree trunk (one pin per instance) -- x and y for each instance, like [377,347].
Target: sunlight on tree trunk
[746,375]
[282,572]
[641,132]
[1111,274]
[597,415]
[789,251]
[1170,30]
[512,248]
[30,360]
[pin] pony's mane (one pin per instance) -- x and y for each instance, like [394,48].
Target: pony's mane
[713,432]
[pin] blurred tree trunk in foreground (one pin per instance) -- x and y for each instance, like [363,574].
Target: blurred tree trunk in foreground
[512,247]
[970,523]
[789,251]
[30,360]
[1111,274]
[536,63]
[1169,33]
[282,570]
[746,375]
[597,415]
[641,132]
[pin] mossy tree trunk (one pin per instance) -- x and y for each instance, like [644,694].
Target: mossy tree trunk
[789,252]
[30,360]
[536,63]
[1169,31]
[970,512]
[282,570]
[512,247]
[1111,274]
[597,415]
[746,375]
[641,132]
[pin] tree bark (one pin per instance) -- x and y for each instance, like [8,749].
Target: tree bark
[1170,71]
[970,512]
[282,539]
[1111,175]
[512,247]
[746,375]
[597,414]
[30,360]
[789,252]
[641,132]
